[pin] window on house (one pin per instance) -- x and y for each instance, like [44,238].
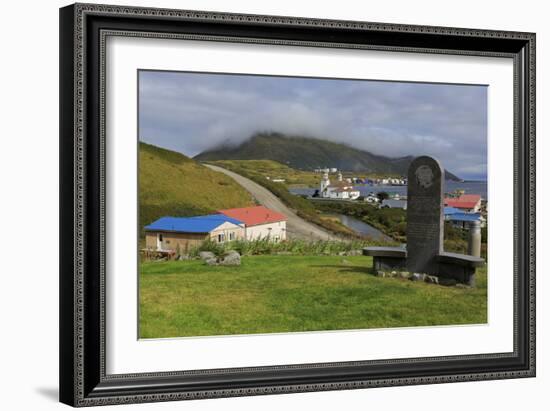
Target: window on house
[160,237]
[221,238]
[231,236]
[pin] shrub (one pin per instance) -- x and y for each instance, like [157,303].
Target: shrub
[293,246]
[208,245]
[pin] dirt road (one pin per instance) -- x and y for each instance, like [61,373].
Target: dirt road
[296,226]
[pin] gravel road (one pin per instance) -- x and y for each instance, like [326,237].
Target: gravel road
[296,226]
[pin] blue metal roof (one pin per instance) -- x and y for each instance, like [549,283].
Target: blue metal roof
[464,217]
[198,224]
[219,216]
[452,210]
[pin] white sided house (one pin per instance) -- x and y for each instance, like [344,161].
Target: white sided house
[259,222]
[338,190]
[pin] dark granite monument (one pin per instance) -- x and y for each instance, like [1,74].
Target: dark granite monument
[424,215]
[424,253]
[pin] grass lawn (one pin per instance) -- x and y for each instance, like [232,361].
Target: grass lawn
[268,294]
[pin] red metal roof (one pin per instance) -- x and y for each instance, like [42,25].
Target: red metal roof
[464,201]
[254,215]
[470,197]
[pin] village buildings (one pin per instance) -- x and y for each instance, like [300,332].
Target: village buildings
[259,222]
[184,233]
[461,219]
[464,209]
[468,203]
[339,190]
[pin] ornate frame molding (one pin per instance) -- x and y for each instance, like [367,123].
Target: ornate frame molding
[83,378]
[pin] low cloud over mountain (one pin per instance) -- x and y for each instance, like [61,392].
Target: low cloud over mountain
[193,112]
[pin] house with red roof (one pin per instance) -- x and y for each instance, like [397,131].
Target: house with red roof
[469,203]
[260,222]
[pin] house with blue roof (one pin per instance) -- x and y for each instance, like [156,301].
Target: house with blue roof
[460,219]
[184,233]
[447,211]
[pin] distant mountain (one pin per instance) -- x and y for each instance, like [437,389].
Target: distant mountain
[306,153]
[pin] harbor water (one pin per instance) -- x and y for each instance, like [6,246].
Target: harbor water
[469,187]
[363,228]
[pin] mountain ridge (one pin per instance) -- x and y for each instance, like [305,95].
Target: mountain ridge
[308,153]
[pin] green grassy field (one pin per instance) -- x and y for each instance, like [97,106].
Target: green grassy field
[269,294]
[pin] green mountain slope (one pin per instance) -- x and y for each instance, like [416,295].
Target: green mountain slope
[171,184]
[309,153]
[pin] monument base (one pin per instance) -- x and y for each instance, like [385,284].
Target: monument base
[389,263]
[452,267]
[387,258]
[459,267]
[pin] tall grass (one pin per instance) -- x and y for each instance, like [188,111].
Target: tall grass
[293,247]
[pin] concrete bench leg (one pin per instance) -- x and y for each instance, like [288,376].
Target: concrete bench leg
[389,263]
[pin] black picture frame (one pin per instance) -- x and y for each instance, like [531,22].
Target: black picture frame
[83,381]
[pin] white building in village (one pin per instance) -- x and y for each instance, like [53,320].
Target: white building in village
[338,190]
[259,222]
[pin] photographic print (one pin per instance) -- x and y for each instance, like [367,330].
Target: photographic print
[272,204]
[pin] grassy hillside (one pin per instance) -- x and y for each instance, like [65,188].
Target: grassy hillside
[173,184]
[306,153]
[301,153]
[273,170]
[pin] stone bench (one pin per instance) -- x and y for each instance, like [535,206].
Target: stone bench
[461,259]
[451,266]
[459,267]
[387,258]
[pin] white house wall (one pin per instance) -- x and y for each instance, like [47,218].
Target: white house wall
[226,229]
[273,230]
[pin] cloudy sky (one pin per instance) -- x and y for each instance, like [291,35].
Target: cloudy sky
[192,112]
